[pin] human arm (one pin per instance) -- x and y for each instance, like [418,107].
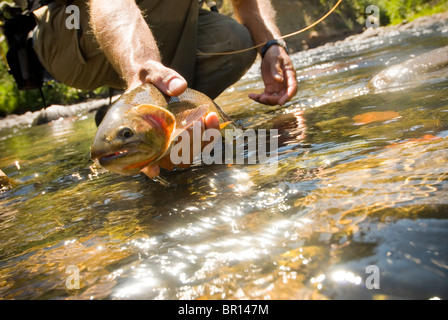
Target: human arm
[128,43]
[277,70]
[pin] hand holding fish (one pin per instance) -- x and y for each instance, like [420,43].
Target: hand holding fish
[210,121]
[138,131]
[140,128]
[165,79]
[170,83]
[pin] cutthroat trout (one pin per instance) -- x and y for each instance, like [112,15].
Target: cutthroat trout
[142,124]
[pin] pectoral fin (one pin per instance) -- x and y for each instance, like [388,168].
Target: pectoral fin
[186,118]
[157,117]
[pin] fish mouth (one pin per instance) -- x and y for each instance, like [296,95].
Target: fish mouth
[108,158]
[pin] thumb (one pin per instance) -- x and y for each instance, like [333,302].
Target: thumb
[277,72]
[165,79]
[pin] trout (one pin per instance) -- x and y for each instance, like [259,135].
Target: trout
[141,126]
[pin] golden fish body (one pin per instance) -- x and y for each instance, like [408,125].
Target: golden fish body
[141,125]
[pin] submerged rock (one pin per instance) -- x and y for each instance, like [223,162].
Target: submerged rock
[5,182]
[51,113]
[56,112]
[410,69]
[376,116]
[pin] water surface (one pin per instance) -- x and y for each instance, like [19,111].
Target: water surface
[346,196]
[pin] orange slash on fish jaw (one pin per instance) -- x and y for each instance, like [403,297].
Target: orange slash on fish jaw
[376,116]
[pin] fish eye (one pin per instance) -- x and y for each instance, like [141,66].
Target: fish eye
[125,133]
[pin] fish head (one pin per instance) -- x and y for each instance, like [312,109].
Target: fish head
[131,138]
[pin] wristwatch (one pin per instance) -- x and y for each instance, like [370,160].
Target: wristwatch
[272,42]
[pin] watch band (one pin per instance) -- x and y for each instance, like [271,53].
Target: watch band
[270,43]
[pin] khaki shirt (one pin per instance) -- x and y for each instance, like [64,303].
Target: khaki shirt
[180,28]
[74,57]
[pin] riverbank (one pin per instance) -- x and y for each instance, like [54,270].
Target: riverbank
[348,19]
[356,191]
[51,113]
[55,112]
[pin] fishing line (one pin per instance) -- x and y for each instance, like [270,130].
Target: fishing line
[282,37]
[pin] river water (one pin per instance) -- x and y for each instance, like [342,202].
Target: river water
[356,209]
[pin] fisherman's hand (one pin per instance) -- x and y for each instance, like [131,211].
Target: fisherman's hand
[173,84]
[209,121]
[165,79]
[279,78]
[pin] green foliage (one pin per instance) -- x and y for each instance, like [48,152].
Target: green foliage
[14,101]
[395,11]
[399,10]
[8,98]
[351,12]
[391,11]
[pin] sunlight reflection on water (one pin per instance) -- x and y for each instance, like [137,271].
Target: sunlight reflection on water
[345,195]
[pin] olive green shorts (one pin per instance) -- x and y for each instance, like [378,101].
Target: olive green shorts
[181,29]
